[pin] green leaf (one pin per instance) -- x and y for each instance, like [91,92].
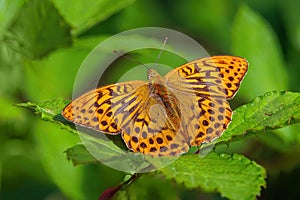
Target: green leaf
[38,29]
[270,111]
[109,153]
[8,12]
[80,155]
[48,109]
[254,39]
[91,12]
[234,176]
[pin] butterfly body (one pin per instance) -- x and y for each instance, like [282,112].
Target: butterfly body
[165,115]
[160,91]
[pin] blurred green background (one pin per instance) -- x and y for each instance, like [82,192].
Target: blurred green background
[43,42]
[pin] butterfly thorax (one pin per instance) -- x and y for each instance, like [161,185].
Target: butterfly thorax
[165,97]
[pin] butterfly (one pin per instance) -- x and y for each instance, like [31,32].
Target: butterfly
[165,115]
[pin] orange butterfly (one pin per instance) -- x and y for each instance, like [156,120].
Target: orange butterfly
[165,115]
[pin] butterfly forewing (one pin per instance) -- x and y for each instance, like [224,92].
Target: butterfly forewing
[104,108]
[231,69]
[203,87]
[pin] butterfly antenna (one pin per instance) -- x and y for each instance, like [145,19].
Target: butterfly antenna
[161,49]
[127,57]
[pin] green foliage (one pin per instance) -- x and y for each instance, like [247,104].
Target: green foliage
[91,12]
[290,16]
[79,155]
[270,111]
[234,176]
[203,11]
[35,23]
[42,46]
[213,172]
[262,52]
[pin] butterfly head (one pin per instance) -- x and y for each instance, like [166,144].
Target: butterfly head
[153,76]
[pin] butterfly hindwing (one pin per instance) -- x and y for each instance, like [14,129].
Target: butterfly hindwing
[153,132]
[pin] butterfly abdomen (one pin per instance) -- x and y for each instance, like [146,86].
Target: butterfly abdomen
[169,102]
